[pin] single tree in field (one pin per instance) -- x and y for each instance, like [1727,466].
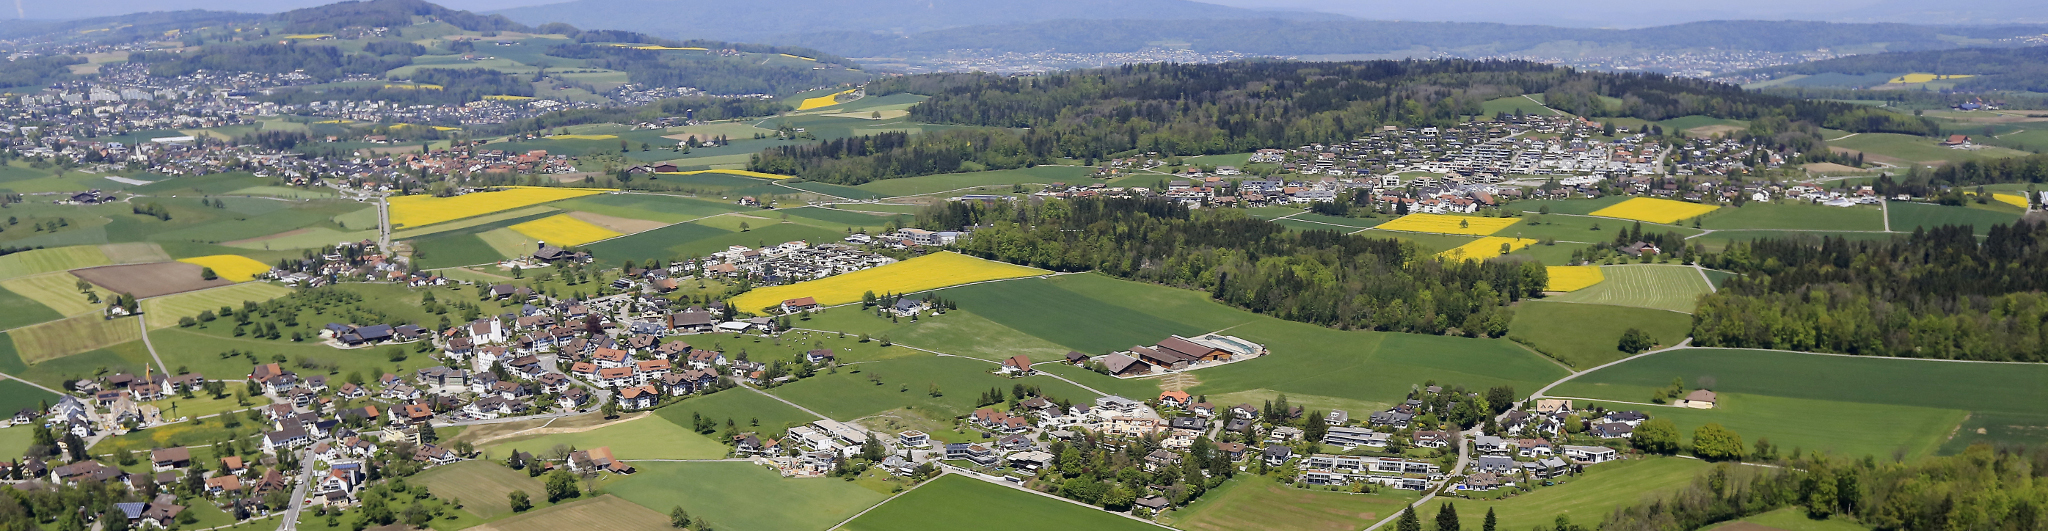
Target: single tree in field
[1635,341]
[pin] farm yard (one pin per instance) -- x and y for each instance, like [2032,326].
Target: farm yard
[17,310]
[932,271]
[1448,224]
[1654,210]
[1664,287]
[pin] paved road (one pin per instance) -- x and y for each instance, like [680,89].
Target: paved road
[1539,392]
[152,348]
[304,478]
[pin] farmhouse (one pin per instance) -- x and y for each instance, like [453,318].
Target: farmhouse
[1698,399]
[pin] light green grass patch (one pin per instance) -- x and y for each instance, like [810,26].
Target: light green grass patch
[1663,287]
[164,312]
[1585,499]
[745,408]
[482,486]
[951,501]
[644,438]
[1850,429]
[871,388]
[51,260]
[1919,149]
[745,495]
[1907,216]
[1795,214]
[57,291]
[1795,519]
[971,182]
[1258,502]
[1586,335]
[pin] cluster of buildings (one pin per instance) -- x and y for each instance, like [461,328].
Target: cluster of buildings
[785,263]
[1176,354]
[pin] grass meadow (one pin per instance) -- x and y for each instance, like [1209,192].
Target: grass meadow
[739,495]
[961,182]
[482,486]
[1259,502]
[1815,395]
[648,437]
[164,311]
[51,260]
[869,388]
[51,291]
[1796,215]
[957,502]
[928,272]
[745,408]
[1908,216]
[1663,287]
[1585,335]
[606,512]
[1585,499]
[76,335]
[695,239]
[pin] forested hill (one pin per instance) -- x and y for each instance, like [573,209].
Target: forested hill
[1190,109]
[1266,35]
[390,13]
[754,20]
[2024,69]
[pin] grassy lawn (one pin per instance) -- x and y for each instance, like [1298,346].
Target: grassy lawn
[745,408]
[602,512]
[1585,499]
[952,502]
[1795,215]
[481,485]
[14,441]
[50,260]
[997,180]
[1663,287]
[871,388]
[1585,335]
[1851,429]
[1258,502]
[127,357]
[55,291]
[1907,216]
[1998,428]
[650,437]
[745,495]
[77,335]
[1941,390]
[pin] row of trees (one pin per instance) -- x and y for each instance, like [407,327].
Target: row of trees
[1935,294]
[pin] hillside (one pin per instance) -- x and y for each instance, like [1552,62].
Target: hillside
[1991,69]
[754,20]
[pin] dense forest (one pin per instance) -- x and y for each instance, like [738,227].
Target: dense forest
[1315,276]
[390,14]
[320,62]
[2016,69]
[1267,35]
[1980,489]
[1193,109]
[711,73]
[861,159]
[1935,294]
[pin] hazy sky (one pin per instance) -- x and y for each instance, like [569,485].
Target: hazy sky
[1584,13]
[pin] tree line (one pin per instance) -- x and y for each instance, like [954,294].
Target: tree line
[712,73]
[320,62]
[1315,276]
[1937,293]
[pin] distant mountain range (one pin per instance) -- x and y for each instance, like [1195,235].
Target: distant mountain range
[760,19]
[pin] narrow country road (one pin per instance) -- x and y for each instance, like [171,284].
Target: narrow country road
[1539,392]
[152,348]
[5,376]
[303,479]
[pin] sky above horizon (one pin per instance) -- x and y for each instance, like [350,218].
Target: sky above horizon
[1575,13]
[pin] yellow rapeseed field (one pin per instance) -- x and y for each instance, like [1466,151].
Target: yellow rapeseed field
[1923,77]
[1484,248]
[1471,225]
[560,229]
[507,97]
[413,86]
[796,57]
[2011,199]
[827,100]
[229,266]
[731,172]
[583,137]
[1573,278]
[422,210]
[928,272]
[1655,210]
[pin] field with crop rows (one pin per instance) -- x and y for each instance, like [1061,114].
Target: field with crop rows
[164,311]
[1663,287]
[1573,278]
[57,339]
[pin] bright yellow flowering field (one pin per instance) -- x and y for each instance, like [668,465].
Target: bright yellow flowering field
[229,266]
[421,210]
[1655,210]
[560,229]
[1573,278]
[827,100]
[743,173]
[1484,248]
[2011,199]
[1447,224]
[928,272]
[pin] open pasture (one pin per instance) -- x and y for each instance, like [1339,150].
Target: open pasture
[422,210]
[40,261]
[745,408]
[605,512]
[149,280]
[1584,499]
[742,173]
[965,182]
[879,386]
[481,485]
[56,291]
[17,310]
[1916,149]
[1796,214]
[1258,502]
[1484,248]
[1046,309]
[647,437]
[562,229]
[1573,278]
[952,501]
[651,207]
[228,266]
[1587,335]
[1907,216]
[163,312]
[932,271]
[1663,287]
[677,241]
[1654,210]
[64,337]
[1448,224]
[745,495]
[617,224]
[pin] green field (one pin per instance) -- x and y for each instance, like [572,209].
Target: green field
[1918,149]
[606,512]
[76,335]
[1586,499]
[1067,317]
[1908,216]
[50,260]
[1663,287]
[649,437]
[907,382]
[481,485]
[17,311]
[956,502]
[1795,519]
[1838,402]
[694,239]
[958,332]
[1584,335]
[16,396]
[1511,104]
[1568,206]
[163,312]
[1795,215]
[1434,243]
[200,352]
[1577,229]
[16,440]
[1258,502]
[841,220]
[127,357]
[745,495]
[651,207]
[960,183]
[745,408]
